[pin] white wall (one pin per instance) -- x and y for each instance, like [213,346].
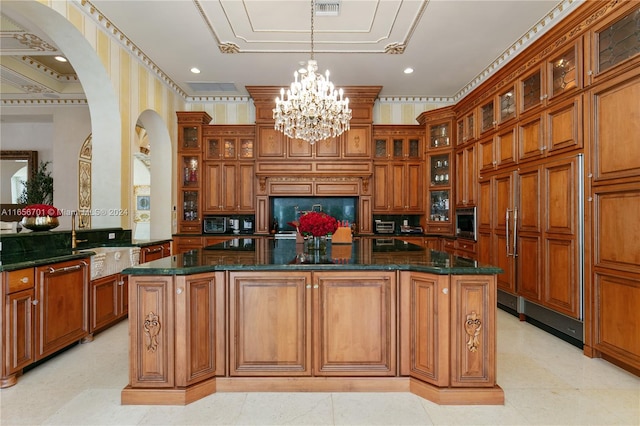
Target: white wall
[57,136]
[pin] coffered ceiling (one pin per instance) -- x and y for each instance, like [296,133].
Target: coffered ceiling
[452,45]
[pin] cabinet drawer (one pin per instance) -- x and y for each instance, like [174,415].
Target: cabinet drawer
[22,279]
[466,245]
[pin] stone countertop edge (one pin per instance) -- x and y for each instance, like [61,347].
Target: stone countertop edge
[14,266]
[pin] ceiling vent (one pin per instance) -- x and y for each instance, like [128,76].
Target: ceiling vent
[327,7]
[212,87]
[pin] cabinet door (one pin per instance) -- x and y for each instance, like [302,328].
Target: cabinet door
[398,187]
[356,142]
[62,314]
[245,187]
[270,143]
[381,185]
[228,187]
[354,342]
[424,323]
[213,196]
[270,319]
[473,331]
[196,327]
[502,244]
[19,341]
[414,187]
[105,304]
[506,147]
[152,331]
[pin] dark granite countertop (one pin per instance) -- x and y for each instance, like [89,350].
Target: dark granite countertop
[149,242]
[255,254]
[19,261]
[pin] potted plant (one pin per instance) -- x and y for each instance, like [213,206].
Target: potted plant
[39,214]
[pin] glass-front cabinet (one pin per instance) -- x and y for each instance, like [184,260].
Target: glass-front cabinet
[189,138]
[189,191]
[440,135]
[439,206]
[439,169]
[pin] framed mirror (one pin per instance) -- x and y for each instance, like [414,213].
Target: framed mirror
[15,168]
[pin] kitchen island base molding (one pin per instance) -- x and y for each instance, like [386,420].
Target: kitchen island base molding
[443,396]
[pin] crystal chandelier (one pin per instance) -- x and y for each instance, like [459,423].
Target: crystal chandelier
[313,109]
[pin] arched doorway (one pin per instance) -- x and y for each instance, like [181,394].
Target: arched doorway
[102,102]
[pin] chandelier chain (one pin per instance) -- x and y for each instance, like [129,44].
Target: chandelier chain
[313,109]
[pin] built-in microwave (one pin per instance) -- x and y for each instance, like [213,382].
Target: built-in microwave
[214,224]
[466,223]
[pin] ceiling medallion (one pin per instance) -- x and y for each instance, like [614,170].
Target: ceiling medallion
[313,110]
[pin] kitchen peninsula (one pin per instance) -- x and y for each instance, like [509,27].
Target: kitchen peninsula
[260,314]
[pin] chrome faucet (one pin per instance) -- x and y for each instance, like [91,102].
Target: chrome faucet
[74,240]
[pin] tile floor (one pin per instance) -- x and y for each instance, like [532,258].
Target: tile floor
[546,382]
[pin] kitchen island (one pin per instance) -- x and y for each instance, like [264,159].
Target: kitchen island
[259,314]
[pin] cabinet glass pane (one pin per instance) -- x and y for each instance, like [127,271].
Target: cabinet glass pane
[439,135]
[229,148]
[440,170]
[531,91]
[564,73]
[461,137]
[439,206]
[246,148]
[414,148]
[190,205]
[471,129]
[619,42]
[487,116]
[507,105]
[189,171]
[213,148]
[381,148]
[190,137]
[397,147]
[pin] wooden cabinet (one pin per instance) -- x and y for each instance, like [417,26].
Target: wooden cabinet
[457,348]
[613,200]
[154,252]
[303,324]
[179,320]
[229,187]
[398,176]
[109,301]
[62,312]
[189,159]
[466,176]
[229,142]
[18,327]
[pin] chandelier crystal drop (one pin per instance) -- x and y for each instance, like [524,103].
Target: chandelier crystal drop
[313,109]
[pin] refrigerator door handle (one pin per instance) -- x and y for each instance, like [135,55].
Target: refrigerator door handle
[507,238]
[515,232]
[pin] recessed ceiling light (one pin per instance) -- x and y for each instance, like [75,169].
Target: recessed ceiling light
[61,59]
[408,70]
[195,70]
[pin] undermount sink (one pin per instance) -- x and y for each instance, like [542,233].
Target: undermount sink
[111,260]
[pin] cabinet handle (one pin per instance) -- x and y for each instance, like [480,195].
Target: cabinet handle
[308,285]
[179,290]
[316,286]
[507,237]
[445,291]
[65,269]
[35,302]
[24,280]
[155,250]
[121,282]
[590,72]
[515,232]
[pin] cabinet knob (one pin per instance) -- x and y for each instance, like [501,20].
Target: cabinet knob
[24,280]
[316,286]
[445,291]
[34,302]
[179,290]
[308,285]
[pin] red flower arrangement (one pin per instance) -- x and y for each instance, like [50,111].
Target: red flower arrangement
[40,210]
[317,224]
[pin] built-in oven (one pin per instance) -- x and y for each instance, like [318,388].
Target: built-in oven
[466,223]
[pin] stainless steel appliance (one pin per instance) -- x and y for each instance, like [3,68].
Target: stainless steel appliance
[385,227]
[466,223]
[215,224]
